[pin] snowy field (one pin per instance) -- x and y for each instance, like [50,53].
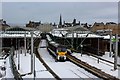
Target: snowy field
[104,66]
[63,69]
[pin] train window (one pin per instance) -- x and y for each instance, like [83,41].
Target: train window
[59,49]
[62,49]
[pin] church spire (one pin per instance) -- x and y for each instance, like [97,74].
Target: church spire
[60,23]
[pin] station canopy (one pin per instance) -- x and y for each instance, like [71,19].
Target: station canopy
[76,31]
[15,29]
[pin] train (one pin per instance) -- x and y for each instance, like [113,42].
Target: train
[57,50]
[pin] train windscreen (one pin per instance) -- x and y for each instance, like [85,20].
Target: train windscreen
[62,49]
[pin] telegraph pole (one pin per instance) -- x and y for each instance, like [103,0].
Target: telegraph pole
[31,51]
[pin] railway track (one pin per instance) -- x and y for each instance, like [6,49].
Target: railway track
[101,58]
[77,72]
[91,54]
[91,69]
[46,66]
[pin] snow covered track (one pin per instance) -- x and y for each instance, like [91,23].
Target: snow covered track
[46,66]
[64,69]
[90,68]
[49,69]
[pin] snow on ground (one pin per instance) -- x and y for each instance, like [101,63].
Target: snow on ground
[25,66]
[104,66]
[63,69]
[2,65]
[8,73]
[8,69]
[106,57]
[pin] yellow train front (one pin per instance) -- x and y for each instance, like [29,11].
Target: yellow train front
[61,53]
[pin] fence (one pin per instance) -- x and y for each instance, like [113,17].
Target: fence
[16,74]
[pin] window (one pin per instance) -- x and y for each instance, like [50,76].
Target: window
[61,49]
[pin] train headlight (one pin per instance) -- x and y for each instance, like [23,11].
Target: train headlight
[3,68]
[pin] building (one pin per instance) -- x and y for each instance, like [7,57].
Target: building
[74,23]
[67,24]
[33,24]
[60,22]
[108,26]
[46,27]
[3,25]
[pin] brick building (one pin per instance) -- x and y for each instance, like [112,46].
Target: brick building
[110,25]
[33,24]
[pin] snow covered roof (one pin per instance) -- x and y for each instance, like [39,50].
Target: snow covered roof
[84,35]
[48,38]
[54,43]
[60,31]
[14,34]
[70,35]
[77,33]
[108,37]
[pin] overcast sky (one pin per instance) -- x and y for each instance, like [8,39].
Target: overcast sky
[0,10]
[90,12]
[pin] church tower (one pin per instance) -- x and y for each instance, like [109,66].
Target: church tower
[60,23]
